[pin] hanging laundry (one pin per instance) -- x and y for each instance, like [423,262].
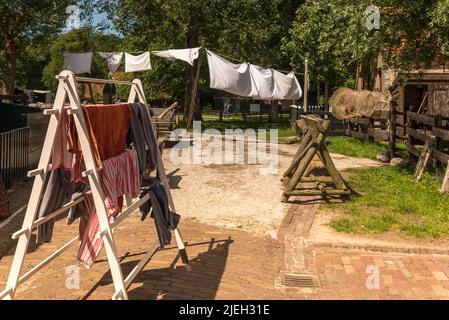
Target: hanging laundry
[164,219]
[263,81]
[187,55]
[59,191]
[113,59]
[107,140]
[78,63]
[120,176]
[230,77]
[141,135]
[60,156]
[137,63]
[286,87]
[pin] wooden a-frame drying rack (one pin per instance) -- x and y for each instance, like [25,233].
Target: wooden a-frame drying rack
[67,89]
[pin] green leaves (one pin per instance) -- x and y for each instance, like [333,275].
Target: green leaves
[333,35]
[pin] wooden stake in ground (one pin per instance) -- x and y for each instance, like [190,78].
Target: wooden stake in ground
[423,160]
[445,186]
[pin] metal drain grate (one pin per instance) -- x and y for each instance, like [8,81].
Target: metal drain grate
[299,280]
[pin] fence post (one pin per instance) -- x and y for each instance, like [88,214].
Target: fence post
[392,142]
[370,130]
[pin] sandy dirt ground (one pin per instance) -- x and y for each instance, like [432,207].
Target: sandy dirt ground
[238,196]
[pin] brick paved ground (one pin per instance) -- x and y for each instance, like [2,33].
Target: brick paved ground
[225,264]
[231,264]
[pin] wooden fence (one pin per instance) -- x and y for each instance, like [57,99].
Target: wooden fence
[434,129]
[14,154]
[369,129]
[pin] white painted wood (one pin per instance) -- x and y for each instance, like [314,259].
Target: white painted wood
[35,172]
[18,233]
[49,112]
[141,264]
[7,221]
[97,192]
[57,212]
[5,293]
[47,260]
[36,194]
[122,216]
[67,89]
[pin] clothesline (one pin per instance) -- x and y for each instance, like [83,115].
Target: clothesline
[242,61]
[243,79]
[87,62]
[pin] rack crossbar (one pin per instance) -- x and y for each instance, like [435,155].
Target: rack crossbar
[47,260]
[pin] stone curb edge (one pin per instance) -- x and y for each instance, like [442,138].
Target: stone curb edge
[380,248]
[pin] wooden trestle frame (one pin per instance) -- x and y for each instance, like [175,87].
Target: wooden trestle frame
[314,130]
[67,89]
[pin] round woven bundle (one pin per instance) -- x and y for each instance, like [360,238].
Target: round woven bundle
[347,103]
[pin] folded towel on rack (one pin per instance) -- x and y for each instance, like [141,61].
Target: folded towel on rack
[120,176]
[142,136]
[164,219]
[107,127]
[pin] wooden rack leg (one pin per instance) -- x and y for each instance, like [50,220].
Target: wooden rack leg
[36,193]
[97,192]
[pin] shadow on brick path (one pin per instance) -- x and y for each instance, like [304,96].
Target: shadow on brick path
[200,279]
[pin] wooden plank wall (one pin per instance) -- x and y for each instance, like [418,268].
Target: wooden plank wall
[370,129]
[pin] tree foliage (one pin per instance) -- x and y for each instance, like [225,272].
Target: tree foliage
[248,30]
[23,23]
[79,40]
[334,37]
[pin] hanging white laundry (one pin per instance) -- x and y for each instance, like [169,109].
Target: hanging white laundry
[286,87]
[187,55]
[230,77]
[78,63]
[137,63]
[113,59]
[263,81]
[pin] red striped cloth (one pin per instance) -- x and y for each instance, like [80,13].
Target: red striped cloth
[120,176]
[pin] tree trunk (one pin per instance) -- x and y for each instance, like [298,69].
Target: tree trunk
[274,111]
[192,41]
[10,68]
[326,96]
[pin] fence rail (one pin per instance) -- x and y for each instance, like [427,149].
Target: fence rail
[14,151]
[422,128]
[368,129]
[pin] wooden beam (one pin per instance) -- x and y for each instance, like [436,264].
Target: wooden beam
[423,161]
[427,120]
[306,85]
[445,186]
[418,135]
[195,89]
[441,133]
[331,192]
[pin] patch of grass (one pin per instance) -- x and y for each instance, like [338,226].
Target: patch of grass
[236,121]
[355,148]
[389,199]
[352,147]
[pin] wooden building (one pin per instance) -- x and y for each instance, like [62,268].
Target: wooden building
[423,93]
